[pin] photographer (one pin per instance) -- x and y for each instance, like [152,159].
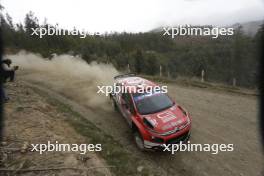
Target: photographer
[7,72]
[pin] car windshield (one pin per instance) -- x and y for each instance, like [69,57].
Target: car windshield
[149,103]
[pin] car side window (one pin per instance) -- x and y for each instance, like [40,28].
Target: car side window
[127,98]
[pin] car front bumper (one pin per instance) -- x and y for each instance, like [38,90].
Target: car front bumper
[156,146]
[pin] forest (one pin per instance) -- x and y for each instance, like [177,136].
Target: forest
[223,59]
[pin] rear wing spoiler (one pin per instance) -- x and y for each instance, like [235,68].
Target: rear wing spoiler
[125,75]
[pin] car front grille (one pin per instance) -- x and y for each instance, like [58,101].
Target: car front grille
[158,140]
[178,139]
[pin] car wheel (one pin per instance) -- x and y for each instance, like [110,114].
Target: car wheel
[113,104]
[138,140]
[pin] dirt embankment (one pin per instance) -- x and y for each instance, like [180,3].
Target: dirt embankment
[30,119]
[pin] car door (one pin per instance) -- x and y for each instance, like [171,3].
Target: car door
[127,107]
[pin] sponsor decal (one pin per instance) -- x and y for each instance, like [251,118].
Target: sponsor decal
[166,116]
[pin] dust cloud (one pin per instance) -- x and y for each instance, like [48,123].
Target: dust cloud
[68,75]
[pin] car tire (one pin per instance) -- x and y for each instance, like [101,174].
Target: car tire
[139,141]
[113,104]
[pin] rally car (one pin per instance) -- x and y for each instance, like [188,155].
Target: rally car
[155,119]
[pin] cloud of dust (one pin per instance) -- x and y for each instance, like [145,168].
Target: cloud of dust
[68,75]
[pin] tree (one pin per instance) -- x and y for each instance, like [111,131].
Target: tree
[152,64]
[10,21]
[31,22]
[139,61]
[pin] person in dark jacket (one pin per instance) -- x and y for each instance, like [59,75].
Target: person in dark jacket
[7,73]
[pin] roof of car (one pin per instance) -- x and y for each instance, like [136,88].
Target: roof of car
[132,81]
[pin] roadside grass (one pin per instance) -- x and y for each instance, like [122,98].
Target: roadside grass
[112,151]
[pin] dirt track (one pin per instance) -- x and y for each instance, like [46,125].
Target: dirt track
[218,117]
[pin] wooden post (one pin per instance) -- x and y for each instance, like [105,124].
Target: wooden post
[160,71]
[202,75]
[234,82]
[107,60]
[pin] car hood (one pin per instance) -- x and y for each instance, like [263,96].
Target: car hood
[167,120]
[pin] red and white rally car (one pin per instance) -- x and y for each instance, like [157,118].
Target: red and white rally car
[154,117]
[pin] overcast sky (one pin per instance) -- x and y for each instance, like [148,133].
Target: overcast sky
[135,15]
